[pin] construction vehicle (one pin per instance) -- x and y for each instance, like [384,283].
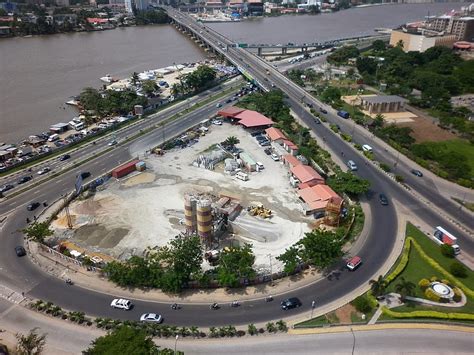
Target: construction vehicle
[259,211]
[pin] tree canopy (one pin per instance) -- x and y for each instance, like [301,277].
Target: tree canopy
[235,263]
[346,182]
[38,231]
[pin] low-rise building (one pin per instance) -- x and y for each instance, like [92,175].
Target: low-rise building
[413,41]
[316,198]
[305,176]
[382,103]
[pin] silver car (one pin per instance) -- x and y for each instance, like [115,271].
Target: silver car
[151,317]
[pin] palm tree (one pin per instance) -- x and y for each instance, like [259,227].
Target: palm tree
[231,141]
[252,329]
[378,286]
[282,327]
[31,344]
[405,288]
[194,331]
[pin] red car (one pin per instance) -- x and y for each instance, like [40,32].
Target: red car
[354,263]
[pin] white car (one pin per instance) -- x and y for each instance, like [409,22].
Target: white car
[44,170]
[217,122]
[151,317]
[275,157]
[114,142]
[121,304]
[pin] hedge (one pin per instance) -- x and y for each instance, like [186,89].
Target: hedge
[428,314]
[467,291]
[424,283]
[431,295]
[403,261]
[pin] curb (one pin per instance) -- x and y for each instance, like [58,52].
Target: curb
[376,327]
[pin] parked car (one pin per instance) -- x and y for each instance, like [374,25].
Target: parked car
[275,157]
[24,179]
[20,251]
[217,122]
[121,303]
[44,170]
[256,133]
[6,187]
[268,151]
[151,317]
[264,143]
[64,157]
[33,206]
[383,199]
[417,172]
[354,263]
[290,303]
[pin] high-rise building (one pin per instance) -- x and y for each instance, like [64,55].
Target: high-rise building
[141,5]
[461,27]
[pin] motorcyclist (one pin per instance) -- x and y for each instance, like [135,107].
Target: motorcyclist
[269,298]
[235,304]
[174,306]
[69,281]
[27,220]
[214,306]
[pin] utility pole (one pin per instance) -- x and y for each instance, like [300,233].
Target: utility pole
[313,306]
[271,269]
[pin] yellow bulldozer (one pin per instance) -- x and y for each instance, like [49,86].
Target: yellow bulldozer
[260,211]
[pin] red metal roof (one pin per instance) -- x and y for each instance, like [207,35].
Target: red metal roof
[290,144]
[291,160]
[274,134]
[306,174]
[230,111]
[249,118]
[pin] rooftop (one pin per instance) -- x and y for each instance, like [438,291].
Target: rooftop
[383,99]
[230,111]
[305,173]
[292,160]
[318,196]
[249,118]
[274,133]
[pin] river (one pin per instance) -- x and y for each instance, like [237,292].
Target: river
[38,74]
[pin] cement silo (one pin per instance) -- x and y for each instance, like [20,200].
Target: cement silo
[204,220]
[190,214]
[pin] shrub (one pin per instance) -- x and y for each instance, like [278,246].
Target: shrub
[458,269]
[424,283]
[271,327]
[346,137]
[261,330]
[433,279]
[358,146]
[457,295]
[362,304]
[399,178]
[402,263]
[447,250]
[427,314]
[252,330]
[334,128]
[385,167]
[240,333]
[446,282]
[369,155]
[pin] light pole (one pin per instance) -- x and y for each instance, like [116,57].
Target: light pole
[175,343]
[313,306]
[271,269]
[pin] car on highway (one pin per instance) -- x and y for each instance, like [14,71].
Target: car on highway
[33,206]
[64,157]
[85,174]
[383,200]
[151,317]
[289,303]
[111,143]
[275,157]
[416,172]
[24,179]
[20,251]
[121,303]
[353,263]
[317,121]
[6,187]
[352,165]
[218,105]
[44,170]
[323,110]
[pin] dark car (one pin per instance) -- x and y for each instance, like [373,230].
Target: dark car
[33,206]
[256,133]
[24,179]
[268,151]
[85,174]
[65,157]
[228,101]
[322,110]
[260,138]
[290,303]
[383,199]
[417,172]
[317,120]
[20,251]
[6,187]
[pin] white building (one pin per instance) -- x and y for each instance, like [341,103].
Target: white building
[128,6]
[141,5]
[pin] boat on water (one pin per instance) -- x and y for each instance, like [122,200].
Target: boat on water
[108,79]
[74,101]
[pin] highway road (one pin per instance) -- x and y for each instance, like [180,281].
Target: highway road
[21,274]
[298,98]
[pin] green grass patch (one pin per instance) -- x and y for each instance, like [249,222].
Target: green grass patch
[468,205]
[433,250]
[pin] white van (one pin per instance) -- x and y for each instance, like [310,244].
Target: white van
[352,165]
[259,166]
[242,176]
[54,137]
[367,148]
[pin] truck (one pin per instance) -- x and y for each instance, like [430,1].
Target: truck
[442,236]
[343,114]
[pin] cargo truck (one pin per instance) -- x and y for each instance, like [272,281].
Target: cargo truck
[441,236]
[343,114]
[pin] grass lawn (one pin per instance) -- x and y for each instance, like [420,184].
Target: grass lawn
[463,147]
[433,251]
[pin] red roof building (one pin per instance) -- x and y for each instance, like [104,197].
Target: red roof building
[306,175]
[275,134]
[290,147]
[246,118]
[317,197]
[291,161]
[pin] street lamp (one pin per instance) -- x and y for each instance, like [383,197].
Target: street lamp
[313,306]
[271,269]
[175,343]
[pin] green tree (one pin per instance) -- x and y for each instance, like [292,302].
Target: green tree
[458,269]
[379,45]
[346,182]
[30,344]
[320,248]
[134,79]
[362,304]
[290,259]
[125,340]
[366,65]
[231,141]
[405,288]
[378,120]
[91,99]
[331,94]
[378,286]
[235,263]
[447,250]
[150,87]
[341,55]
[38,231]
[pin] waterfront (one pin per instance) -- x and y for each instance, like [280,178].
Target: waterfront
[39,74]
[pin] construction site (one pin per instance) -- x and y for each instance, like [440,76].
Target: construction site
[200,188]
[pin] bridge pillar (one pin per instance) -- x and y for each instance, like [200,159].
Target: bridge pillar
[283,50]
[259,51]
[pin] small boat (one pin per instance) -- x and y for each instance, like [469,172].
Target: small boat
[74,101]
[108,79]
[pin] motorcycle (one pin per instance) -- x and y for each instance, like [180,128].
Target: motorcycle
[235,304]
[69,282]
[268,298]
[214,306]
[175,306]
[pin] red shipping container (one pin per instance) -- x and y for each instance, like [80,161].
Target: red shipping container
[124,169]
